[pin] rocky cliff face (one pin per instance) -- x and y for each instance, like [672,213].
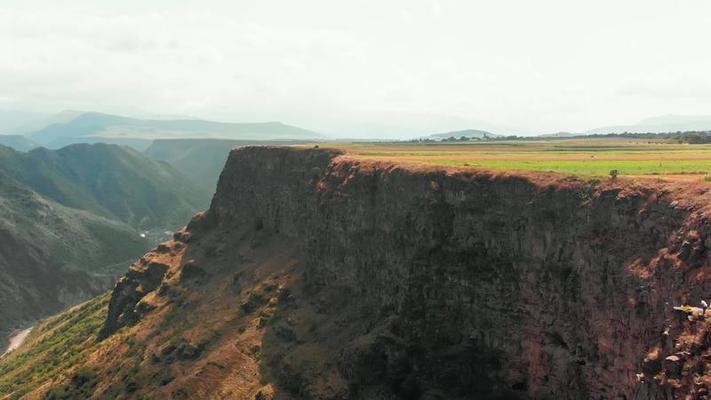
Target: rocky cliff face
[315,275]
[491,284]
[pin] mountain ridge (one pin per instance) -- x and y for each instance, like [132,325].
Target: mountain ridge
[661,124]
[97,127]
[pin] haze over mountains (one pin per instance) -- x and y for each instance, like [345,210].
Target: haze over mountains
[661,124]
[27,130]
[202,160]
[93,127]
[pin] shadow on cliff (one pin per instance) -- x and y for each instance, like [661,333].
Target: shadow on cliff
[327,343]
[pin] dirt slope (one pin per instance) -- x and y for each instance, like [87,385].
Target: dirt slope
[319,276]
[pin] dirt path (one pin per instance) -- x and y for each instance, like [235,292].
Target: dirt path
[17,340]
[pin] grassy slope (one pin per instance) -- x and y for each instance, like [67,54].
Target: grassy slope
[52,347]
[195,336]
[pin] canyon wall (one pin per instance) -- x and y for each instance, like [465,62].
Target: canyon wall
[535,286]
[321,276]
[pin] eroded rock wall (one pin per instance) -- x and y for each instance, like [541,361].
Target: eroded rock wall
[487,285]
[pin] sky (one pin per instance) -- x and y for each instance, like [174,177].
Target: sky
[362,68]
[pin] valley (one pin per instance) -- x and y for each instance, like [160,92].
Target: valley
[71,220]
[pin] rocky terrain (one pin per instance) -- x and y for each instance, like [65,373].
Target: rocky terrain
[318,275]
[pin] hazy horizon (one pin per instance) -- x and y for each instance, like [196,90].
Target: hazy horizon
[362,69]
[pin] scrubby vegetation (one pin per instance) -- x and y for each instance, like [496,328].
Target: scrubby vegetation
[51,348]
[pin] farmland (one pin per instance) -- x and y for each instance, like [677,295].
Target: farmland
[586,157]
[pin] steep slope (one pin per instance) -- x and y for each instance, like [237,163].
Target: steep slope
[112,181]
[96,127]
[201,160]
[317,275]
[52,256]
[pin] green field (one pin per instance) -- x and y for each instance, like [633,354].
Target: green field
[594,157]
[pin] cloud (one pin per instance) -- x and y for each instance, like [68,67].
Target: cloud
[666,89]
[339,66]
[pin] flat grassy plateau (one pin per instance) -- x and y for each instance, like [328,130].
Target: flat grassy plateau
[586,157]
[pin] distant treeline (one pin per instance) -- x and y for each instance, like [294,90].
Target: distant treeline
[691,137]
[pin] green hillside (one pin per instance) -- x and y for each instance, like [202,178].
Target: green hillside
[53,256]
[108,180]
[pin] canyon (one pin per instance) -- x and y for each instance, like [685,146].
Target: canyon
[315,274]
[72,220]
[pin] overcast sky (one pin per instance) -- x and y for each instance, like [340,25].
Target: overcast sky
[362,68]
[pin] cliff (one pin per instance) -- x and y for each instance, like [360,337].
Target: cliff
[544,286]
[318,275]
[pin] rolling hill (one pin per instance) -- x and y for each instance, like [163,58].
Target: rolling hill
[93,127]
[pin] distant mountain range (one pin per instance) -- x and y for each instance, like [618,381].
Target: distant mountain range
[661,124]
[467,133]
[91,127]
